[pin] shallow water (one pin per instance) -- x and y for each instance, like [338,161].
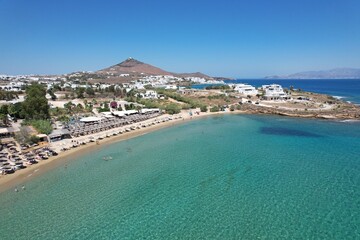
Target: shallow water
[223,177]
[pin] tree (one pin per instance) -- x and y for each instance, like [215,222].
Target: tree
[56,87]
[8,96]
[214,109]
[111,88]
[79,107]
[69,106]
[90,91]
[35,105]
[80,92]
[129,106]
[4,109]
[123,94]
[15,110]
[131,93]
[118,92]
[4,119]
[203,108]
[51,93]
[172,108]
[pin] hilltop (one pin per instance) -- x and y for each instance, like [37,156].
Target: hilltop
[337,73]
[131,69]
[133,66]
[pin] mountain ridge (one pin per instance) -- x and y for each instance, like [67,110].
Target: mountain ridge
[335,73]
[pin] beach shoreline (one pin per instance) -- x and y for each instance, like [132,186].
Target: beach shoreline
[19,178]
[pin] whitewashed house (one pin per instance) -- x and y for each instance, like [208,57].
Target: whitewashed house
[246,89]
[275,92]
[149,94]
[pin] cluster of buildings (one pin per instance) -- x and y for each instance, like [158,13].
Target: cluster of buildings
[274,92]
[267,92]
[72,81]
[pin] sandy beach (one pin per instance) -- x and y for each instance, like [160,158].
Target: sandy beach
[20,177]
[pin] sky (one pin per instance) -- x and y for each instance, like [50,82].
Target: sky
[231,38]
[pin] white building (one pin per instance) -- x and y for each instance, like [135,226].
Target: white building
[149,94]
[172,87]
[274,92]
[245,89]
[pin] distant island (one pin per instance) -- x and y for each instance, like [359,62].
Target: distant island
[337,73]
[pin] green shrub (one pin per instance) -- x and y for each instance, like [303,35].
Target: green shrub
[185,106]
[105,109]
[172,108]
[42,126]
[203,108]
[214,109]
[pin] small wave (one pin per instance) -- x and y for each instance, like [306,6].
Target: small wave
[350,120]
[338,97]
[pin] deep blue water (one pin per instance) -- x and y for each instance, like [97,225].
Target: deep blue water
[349,89]
[221,177]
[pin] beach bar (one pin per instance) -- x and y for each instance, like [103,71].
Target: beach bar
[59,134]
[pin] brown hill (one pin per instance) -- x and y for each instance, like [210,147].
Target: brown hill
[137,69]
[133,67]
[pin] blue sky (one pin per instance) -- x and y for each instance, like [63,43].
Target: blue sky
[249,38]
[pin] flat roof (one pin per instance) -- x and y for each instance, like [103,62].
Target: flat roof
[90,119]
[59,132]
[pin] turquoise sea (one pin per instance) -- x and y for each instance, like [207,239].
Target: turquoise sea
[222,177]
